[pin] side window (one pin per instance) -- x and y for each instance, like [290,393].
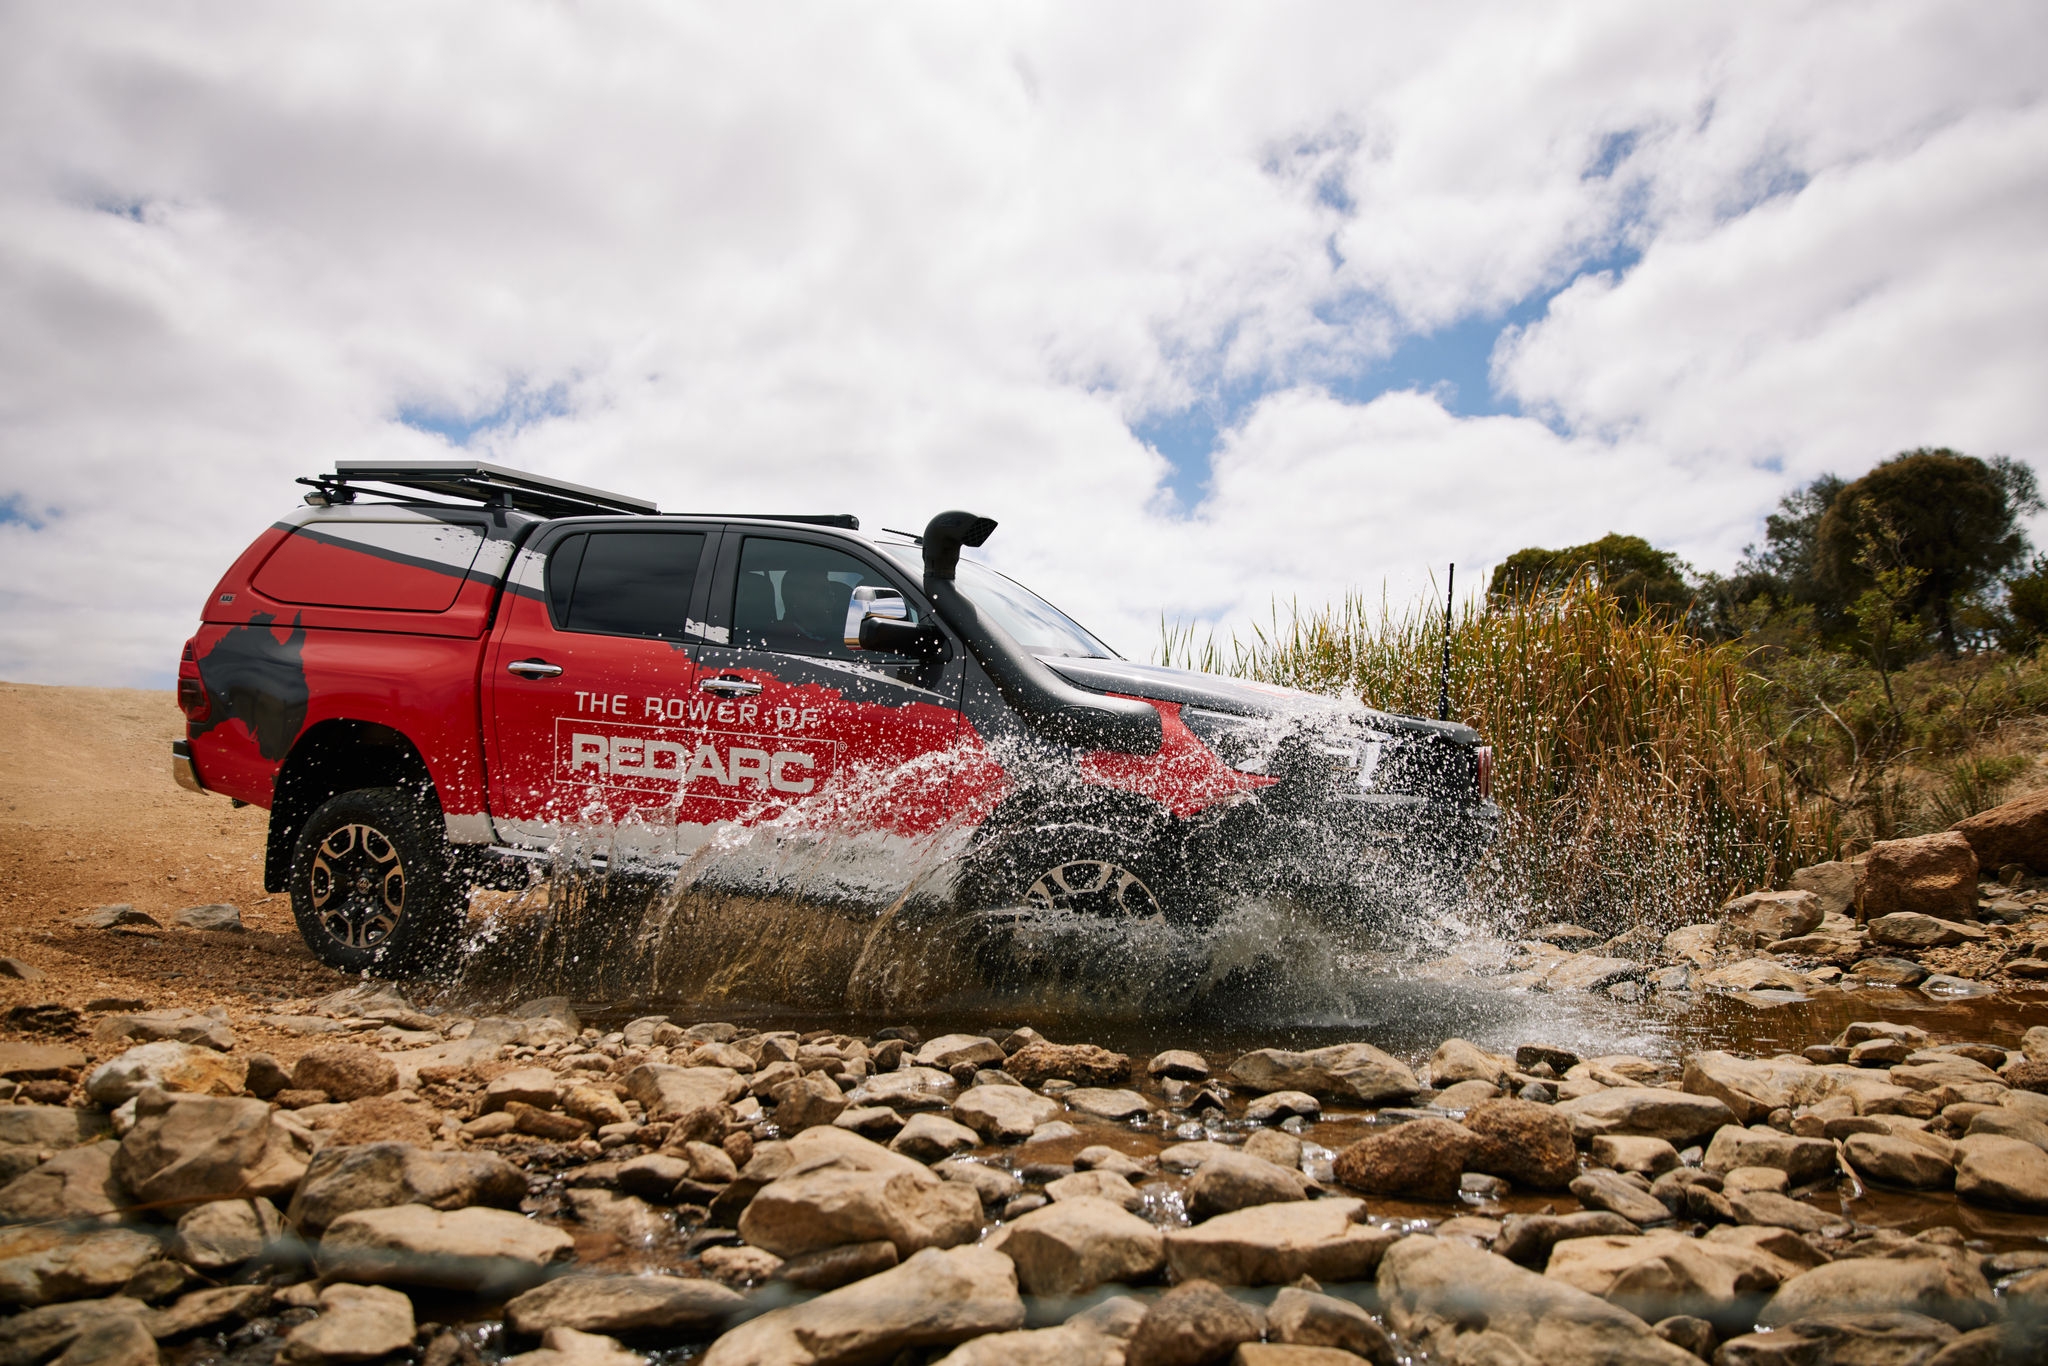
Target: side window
[624,583]
[793,596]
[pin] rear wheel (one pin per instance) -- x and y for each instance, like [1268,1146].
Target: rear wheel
[371,886]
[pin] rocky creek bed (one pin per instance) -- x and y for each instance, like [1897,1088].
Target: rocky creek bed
[434,1187]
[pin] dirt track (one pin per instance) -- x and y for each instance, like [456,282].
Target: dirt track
[92,817]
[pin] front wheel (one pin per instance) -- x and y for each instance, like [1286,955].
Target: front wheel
[371,884]
[1069,868]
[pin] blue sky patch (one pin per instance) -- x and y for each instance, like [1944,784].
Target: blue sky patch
[12,513]
[520,407]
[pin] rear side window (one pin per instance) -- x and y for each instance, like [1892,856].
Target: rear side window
[407,566]
[624,583]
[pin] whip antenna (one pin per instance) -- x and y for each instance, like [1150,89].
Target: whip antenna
[1443,693]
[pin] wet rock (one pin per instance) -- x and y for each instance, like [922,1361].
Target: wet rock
[993,1185]
[486,1251]
[1588,972]
[1749,1179]
[626,1217]
[1617,1195]
[877,1122]
[186,1150]
[912,1088]
[217,916]
[928,1138]
[1233,1181]
[1081,1063]
[208,1309]
[1912,930]
[1304,1318]
[1095,1186]
[2006,1123]
[567,1347]
[843,1189]
[1277,1244]
[1660,1274]
[1752,1089]
[934,1299]
[1115,1105]
[1431,1286]
[1457,1060]
[1871,1337]
[1191,1324]
[1004,1114]
[1352,1071]
[1533,1055]
[952,1050]
[1932,874]
[222,1234]
[1650,1156]
[625,1306]
[1948,1289]
[1752,974]
[1423,1157]
[1900,1162]
[1646,1112]
[1529,1144]
[1834,883]
[1277,1107]
[1528,1238]
[1071,1246]
[1765,916]
[1772,1210]
[343,1180]
[1927,1071]
[2010,1173]
[739,1266]
[667,1092]
[76,1184]
[1101,1157]
[1277,1146]
[358,1323]
[112,1340]
[155,1026]
[1701,946]
[1179,1064]
[1802,1159]
[831,1267]
[34,1335]
[1890,972]
[807,1102]
[40,1264]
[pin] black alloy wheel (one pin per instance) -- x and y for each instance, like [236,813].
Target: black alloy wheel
[371,883]
[1093,886]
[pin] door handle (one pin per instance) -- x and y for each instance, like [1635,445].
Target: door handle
[727,686]
[533,668]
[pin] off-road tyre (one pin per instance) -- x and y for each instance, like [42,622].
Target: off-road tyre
[372,885]
[1076,867]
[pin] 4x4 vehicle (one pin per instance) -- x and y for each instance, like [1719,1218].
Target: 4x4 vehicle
[472,664]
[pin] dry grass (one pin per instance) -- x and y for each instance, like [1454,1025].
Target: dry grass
[1632,760]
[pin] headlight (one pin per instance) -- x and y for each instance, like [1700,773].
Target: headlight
[1246,743]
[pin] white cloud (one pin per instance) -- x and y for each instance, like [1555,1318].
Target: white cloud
[897,260]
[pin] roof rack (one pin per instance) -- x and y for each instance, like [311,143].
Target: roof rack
[474,481]
[838,519]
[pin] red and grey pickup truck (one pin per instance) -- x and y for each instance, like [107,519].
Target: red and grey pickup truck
[433,668]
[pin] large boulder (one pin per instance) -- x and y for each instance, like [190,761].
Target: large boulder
[2008,1172]
[1236,1180]
[1933,874]
[1763,917]
[1801,1159]
[2014,832]
[1436,1290]
[185,1150]
[1457,1060]
[1752,1089]
[1071,1246]
[935,1299]
[1280,1243]
[625,1306]
[1890,1160]
[1661,1274]
[342,1180]
[842,1188]
[41,1264]
[1422,1157]
[1646,1112]
[1004,1114]
[171,1065]
[1529,1144]
[1345,1071]
[1947,1288]
[489,1252]
[76,1184]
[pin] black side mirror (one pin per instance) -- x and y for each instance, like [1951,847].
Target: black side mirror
[901,638]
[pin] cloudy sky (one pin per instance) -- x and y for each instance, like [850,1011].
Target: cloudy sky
[1209,306]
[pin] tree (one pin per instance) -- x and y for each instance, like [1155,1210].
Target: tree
[1629,567]
[2023,625]
[1953,518]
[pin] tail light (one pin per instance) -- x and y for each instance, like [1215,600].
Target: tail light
[1485,755]
[191,691]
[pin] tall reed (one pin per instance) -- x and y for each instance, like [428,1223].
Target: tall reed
[1631,760]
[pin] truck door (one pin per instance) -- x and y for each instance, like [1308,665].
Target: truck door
[590,681]
[801,725]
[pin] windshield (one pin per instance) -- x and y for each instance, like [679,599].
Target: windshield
[1030,620]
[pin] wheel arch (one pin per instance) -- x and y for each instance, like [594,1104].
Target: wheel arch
[335,756]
